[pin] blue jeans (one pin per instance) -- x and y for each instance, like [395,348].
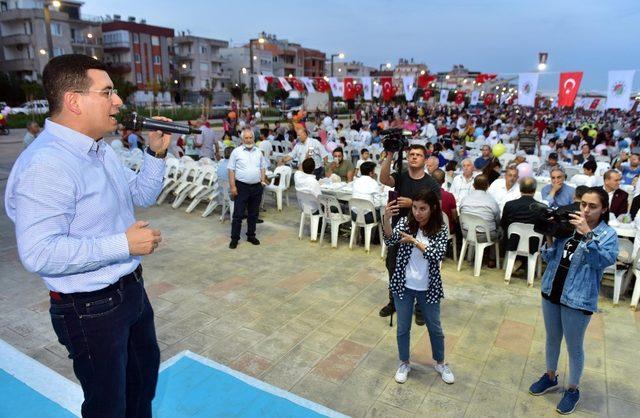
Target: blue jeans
[559,321]
[431,314]
[111,338]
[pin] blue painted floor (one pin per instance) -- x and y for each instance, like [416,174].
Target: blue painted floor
[189,388]
[18,400]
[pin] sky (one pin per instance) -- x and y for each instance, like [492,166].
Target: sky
[499,36]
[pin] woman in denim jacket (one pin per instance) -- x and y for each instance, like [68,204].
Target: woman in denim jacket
[422,237]
[570,288]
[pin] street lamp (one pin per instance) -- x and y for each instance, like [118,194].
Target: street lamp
[542,61]
[47,23]
[243,70]
[251,59]
[341,56]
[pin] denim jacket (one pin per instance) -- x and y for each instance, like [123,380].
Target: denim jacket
[582,285]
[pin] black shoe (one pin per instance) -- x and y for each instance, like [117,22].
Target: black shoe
[387,310]
[259,221]
[233,244]
[254,241]
[419,319]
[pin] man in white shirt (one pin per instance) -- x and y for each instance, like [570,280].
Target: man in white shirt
[365,136]
[308,147]
[266,147]
[431,165]
[305,180]
[365,186]
[463,182]
[507,188]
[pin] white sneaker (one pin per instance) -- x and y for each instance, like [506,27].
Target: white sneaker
[403,372]
[445,373]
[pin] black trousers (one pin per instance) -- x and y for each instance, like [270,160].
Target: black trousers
[110,336]
[248,198]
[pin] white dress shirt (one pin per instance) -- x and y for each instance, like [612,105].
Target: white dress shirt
[318,152]
[306,183]
[480,203]
[365,187]
[498,190]
[460,187]
[247,164]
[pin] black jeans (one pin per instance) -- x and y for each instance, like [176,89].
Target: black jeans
[248,198]
[110,336]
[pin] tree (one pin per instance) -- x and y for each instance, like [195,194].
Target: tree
[238,91]
[207,94]
[275,93]
[10,89]
[124,87]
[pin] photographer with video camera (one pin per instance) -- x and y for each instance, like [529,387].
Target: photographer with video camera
[406,183]
[570,286]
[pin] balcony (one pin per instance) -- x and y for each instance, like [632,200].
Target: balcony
[18,39]
[218,60]
[20,64]
[221,76]
[117,46]
[183,56]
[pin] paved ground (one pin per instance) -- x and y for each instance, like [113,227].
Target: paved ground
[304,317]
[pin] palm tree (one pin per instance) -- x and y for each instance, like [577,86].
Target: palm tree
[207,95]
[238,91]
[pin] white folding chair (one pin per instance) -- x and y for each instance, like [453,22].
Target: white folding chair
[188,173]
[524,231]
[282,188]
[310,207]
[452,237]
[476,224]
[332,215]
[206,187]
[205,177]
[227,203]
[361,207]
[171,171]
[619,270]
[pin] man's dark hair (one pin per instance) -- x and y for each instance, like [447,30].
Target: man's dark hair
[67,73]
[528,185]
[308,165]
[338,149]
[367,168]
[438,176]
[590,165]
[363,150]
[481,182]
[420,147]
[227,152]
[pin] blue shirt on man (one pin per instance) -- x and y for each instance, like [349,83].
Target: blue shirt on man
[563,197]
[72,200]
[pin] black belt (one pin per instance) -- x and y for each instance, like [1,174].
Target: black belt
[123,281]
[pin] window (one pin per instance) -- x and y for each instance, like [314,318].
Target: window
[56,30]
[136,38]
[136,58]
[203,49]
[156,60]
[57,51]
[155,41]
[138,77]
[28,29]
[204,66]
[73,34]
[4,6]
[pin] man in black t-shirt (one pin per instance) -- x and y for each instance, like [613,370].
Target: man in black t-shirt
[407,183]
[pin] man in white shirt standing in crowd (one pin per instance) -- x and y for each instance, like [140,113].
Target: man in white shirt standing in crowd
[308,147]
[247,168]
[463,182]
[507,188]
[478,202]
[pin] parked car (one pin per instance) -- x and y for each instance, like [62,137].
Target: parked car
[38,107]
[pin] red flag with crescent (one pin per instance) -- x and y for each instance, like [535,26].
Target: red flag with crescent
[297,84]
[322,85]
[483,78]
[568,89]
[349,89]
[459,97]
[388,91]
[269,79]
[594,104]
[359,89]
[489,98]
[427,94]
[425,79]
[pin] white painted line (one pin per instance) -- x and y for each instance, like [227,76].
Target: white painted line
[40,378]
[266,387]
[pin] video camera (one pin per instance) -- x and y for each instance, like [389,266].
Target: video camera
[555,222]
[395,139]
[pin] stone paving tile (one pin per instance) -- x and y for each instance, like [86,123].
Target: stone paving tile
[304,317]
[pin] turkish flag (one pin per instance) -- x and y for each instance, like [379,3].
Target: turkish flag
[322,85]
[388,91]
[489,98]
[568,89]
[424,80]
[359,89]
[269,79]
[297,84]
[594,104]
[459,97]
[483,78]
[427,94]
[349,89]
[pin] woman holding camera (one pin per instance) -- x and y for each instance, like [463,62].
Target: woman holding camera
[570,288]
[422,238]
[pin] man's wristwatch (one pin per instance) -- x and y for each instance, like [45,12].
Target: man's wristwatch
[156,154]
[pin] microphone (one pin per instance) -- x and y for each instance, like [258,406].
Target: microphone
[136,122]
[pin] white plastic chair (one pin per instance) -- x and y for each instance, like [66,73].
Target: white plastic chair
[361,207]
[332,215]
[473,223]
[227,203]
[187,176]
[282,187]
[205,184]
[171,171]
[619,270]
[452,237]
[524,231]
[310,207]
[205,161]
[572,171]
[534,160]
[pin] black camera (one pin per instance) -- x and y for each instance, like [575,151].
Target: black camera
[395,139]
[555,222]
